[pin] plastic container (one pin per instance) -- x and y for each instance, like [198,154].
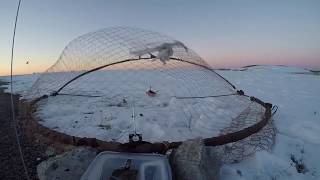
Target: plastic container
[128,166]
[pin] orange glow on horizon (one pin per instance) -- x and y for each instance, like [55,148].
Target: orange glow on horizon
[222,60]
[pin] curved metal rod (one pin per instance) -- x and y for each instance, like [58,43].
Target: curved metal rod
[136,59]
[240,134]
[206,68]
[147,147]
[95,69]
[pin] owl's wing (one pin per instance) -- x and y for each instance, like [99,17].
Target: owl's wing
[158,48]
[180,44]
[145,51]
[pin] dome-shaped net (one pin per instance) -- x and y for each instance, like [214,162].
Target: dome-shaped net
[114,45]
[104,78]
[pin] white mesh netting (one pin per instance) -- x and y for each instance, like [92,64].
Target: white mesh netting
[102,76]
[117,44]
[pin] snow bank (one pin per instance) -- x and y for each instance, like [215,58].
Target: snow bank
[297,122]
[21,83]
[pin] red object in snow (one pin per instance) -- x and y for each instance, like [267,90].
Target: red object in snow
[151,93]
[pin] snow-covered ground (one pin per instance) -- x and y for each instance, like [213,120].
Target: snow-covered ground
[21,83]
[297,93]
[165,117]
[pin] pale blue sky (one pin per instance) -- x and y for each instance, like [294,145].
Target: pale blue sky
[226,33]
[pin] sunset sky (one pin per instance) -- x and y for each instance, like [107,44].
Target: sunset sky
[226,33]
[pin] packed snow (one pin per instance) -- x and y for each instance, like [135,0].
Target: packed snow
[157,119]
[21,83]
[297,93]
[164,117]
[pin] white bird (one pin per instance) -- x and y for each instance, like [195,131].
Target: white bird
[164,50]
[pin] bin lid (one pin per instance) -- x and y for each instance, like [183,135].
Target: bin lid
[128,166]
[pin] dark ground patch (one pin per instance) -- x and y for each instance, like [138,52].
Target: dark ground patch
[10,162]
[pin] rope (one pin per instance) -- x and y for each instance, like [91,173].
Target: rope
[197,97]
[274,110]
[82,95]
[11,96]
[134,119]
[183,97]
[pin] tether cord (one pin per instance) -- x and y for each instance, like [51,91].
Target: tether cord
[177,97]
[198,97]
[11,96]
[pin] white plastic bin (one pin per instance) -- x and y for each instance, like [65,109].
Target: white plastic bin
[128,166]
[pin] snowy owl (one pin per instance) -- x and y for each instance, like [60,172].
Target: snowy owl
[164,50]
